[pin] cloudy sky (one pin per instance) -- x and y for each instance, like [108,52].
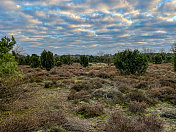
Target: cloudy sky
[89,26]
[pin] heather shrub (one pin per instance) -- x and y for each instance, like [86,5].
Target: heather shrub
[32,122]
[140,96]
[164,94]
[120,123]
[157,59]
[81,96]
[131,62]
[137,107]
[84,60]
[88,111]
[86,85]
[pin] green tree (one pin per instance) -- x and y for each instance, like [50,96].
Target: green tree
[35,61]
[58,61]
[174,58]
[66,59]
[131,62]
[8,64]
[84,60]
[47,60]
[6,44]
[157,59]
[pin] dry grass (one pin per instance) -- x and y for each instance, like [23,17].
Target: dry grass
[77,91]
[32,122]
[120,123]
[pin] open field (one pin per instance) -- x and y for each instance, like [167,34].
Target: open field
[95,98]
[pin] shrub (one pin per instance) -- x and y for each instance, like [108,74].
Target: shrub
[47,60]
[120,123]
[86,85]
[66,59]
[32,121]
[88,111]
[175,62]
[131,62]
[137,107]
[58,61]
[84,60]
[157,59]
[139,96]
[164,94]
[27,60]
[35,61]
[82,96]
[8,64]
[168,59]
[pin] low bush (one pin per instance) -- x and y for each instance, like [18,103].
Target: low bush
[120,123]
[86,85]
[137,107]
[139,96]
[164,94]
[88,111]
[131,62]
[157,59]
[32,122]
[81,96]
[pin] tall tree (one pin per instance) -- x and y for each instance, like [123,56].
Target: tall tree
[6,44]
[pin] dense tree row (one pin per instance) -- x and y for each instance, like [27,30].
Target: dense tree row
[128,62]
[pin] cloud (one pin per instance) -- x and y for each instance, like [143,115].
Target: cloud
[86,26]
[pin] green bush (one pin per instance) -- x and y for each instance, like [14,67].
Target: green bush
[84,60]
[157,59]
[27,60]
[169,59]
[174,60]
[47,60]
[66,59]
[131,62]
[8,64]
[58,61]
[35,61]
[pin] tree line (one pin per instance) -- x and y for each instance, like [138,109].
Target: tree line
[127,61]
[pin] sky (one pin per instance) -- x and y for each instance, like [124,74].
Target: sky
[89,26]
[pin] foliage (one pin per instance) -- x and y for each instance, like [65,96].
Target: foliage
[157,59]
[47,60]
[131,62]
[174,51]
[27,60]
[8,64]
[84,60]
[58,61]
[6,44]
[66,59]
[175,62]
[168,59]
[35,61]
